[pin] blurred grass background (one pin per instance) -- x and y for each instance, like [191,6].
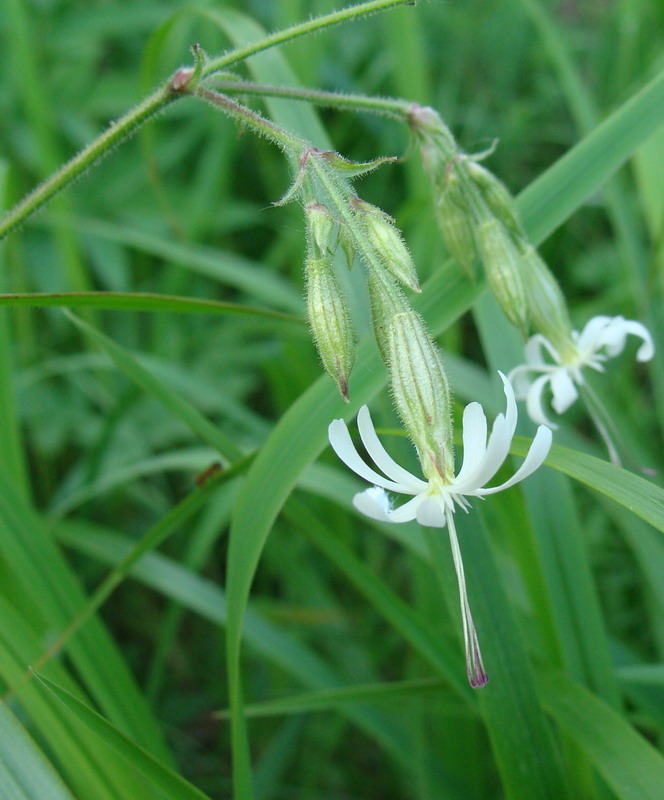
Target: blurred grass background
[184,208]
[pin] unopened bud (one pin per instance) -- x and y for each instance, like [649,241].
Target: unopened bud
[421,392]
[388,244]
[330,321]
[503,271]
[546,302]
[496,195]
[435,137]
[320,227]
[457,227]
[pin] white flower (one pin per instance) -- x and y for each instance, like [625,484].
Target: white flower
[434,500]
[601,339]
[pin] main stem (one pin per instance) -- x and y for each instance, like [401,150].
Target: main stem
[96,150]
[301,29]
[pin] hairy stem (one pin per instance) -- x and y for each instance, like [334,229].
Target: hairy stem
[388,106]
[301,29]
[94,152]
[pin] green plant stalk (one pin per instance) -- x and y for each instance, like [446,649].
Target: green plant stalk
[94,152]
[388,106]
[300,29]
[288,142]
[181,84]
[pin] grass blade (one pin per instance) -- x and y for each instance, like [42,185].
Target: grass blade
[166,780]
[626,761]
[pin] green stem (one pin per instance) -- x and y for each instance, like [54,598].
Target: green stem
[389,106]
[95,151]
[301,29]
[288,142]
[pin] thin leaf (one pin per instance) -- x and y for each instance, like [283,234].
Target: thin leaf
[627,762]
[636,494]
[140,301]
[164,778]
[25,772]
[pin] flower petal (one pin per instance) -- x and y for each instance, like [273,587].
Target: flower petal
[343,446]
[590,338]
[564,390]
[382,459]
[474,438]
[534,402]
[497,448]
[619,329]
[431,513]
[534,351]
[521,380]
[373,503]
[539,450]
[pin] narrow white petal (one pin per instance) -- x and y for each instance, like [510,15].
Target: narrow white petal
[521,378]
[539,450]
[589,340]
[534,351]
[343,446]
[382,459]
[534,402]
[616,334]
[474,438]
[431,513]
[497,448]
[564,390]
[373,503]
[409,510]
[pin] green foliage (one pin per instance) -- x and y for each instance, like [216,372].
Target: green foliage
[276,644]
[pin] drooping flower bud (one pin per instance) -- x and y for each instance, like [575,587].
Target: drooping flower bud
[329,320]
[421,392]
[457,227]
[501,260]
[320,228]
[496,195]
[546,303]
[386,239]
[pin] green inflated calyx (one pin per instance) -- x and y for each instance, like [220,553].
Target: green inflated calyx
[385,238]
[546,303]
[502,266]
[329,320]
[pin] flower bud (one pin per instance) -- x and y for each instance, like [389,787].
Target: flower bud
[388,244]
[501,260]
[436,139]
[496,195]
[421,392]
[320,227]
[546,303]
[330,321]
[457,227]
